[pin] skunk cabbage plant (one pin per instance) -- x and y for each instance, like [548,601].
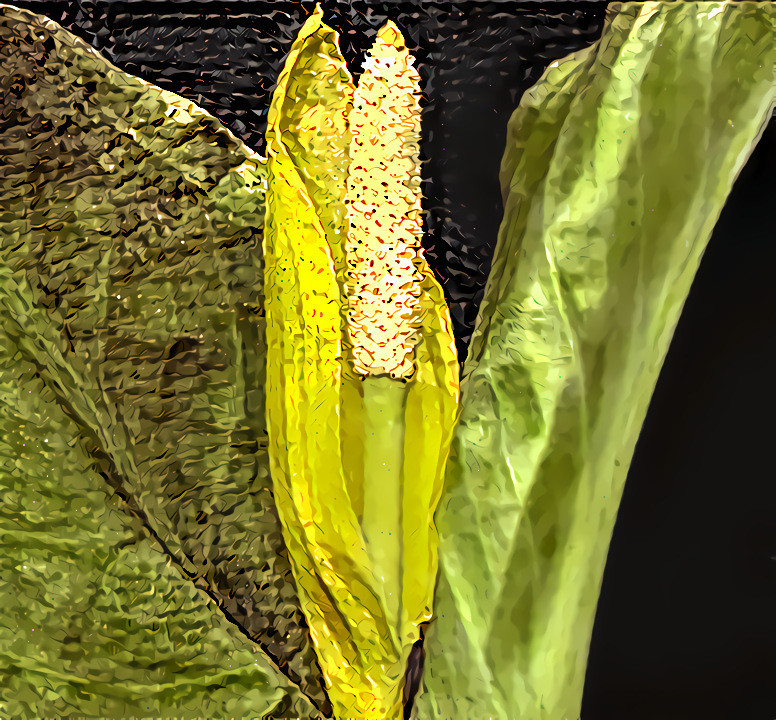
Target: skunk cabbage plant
[230,438]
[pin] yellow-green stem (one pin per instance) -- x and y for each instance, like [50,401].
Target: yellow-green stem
[384,399]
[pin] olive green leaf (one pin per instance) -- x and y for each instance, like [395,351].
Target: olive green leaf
[131,287]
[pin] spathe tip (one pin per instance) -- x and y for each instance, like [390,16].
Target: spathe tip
[389,34]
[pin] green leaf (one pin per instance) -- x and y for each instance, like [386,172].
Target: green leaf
[617,165]
[96,622]
[131,283]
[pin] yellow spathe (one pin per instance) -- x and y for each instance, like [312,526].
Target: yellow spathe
[362,393]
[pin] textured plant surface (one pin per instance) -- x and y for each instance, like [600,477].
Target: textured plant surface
[362,373]
[144,570]
[616,169]
[131,296]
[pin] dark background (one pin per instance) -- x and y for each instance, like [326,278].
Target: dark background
[686,624]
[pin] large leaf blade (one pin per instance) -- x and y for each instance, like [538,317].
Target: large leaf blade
[616,169]
[132,244]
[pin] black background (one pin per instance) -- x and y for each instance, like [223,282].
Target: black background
[686,624]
